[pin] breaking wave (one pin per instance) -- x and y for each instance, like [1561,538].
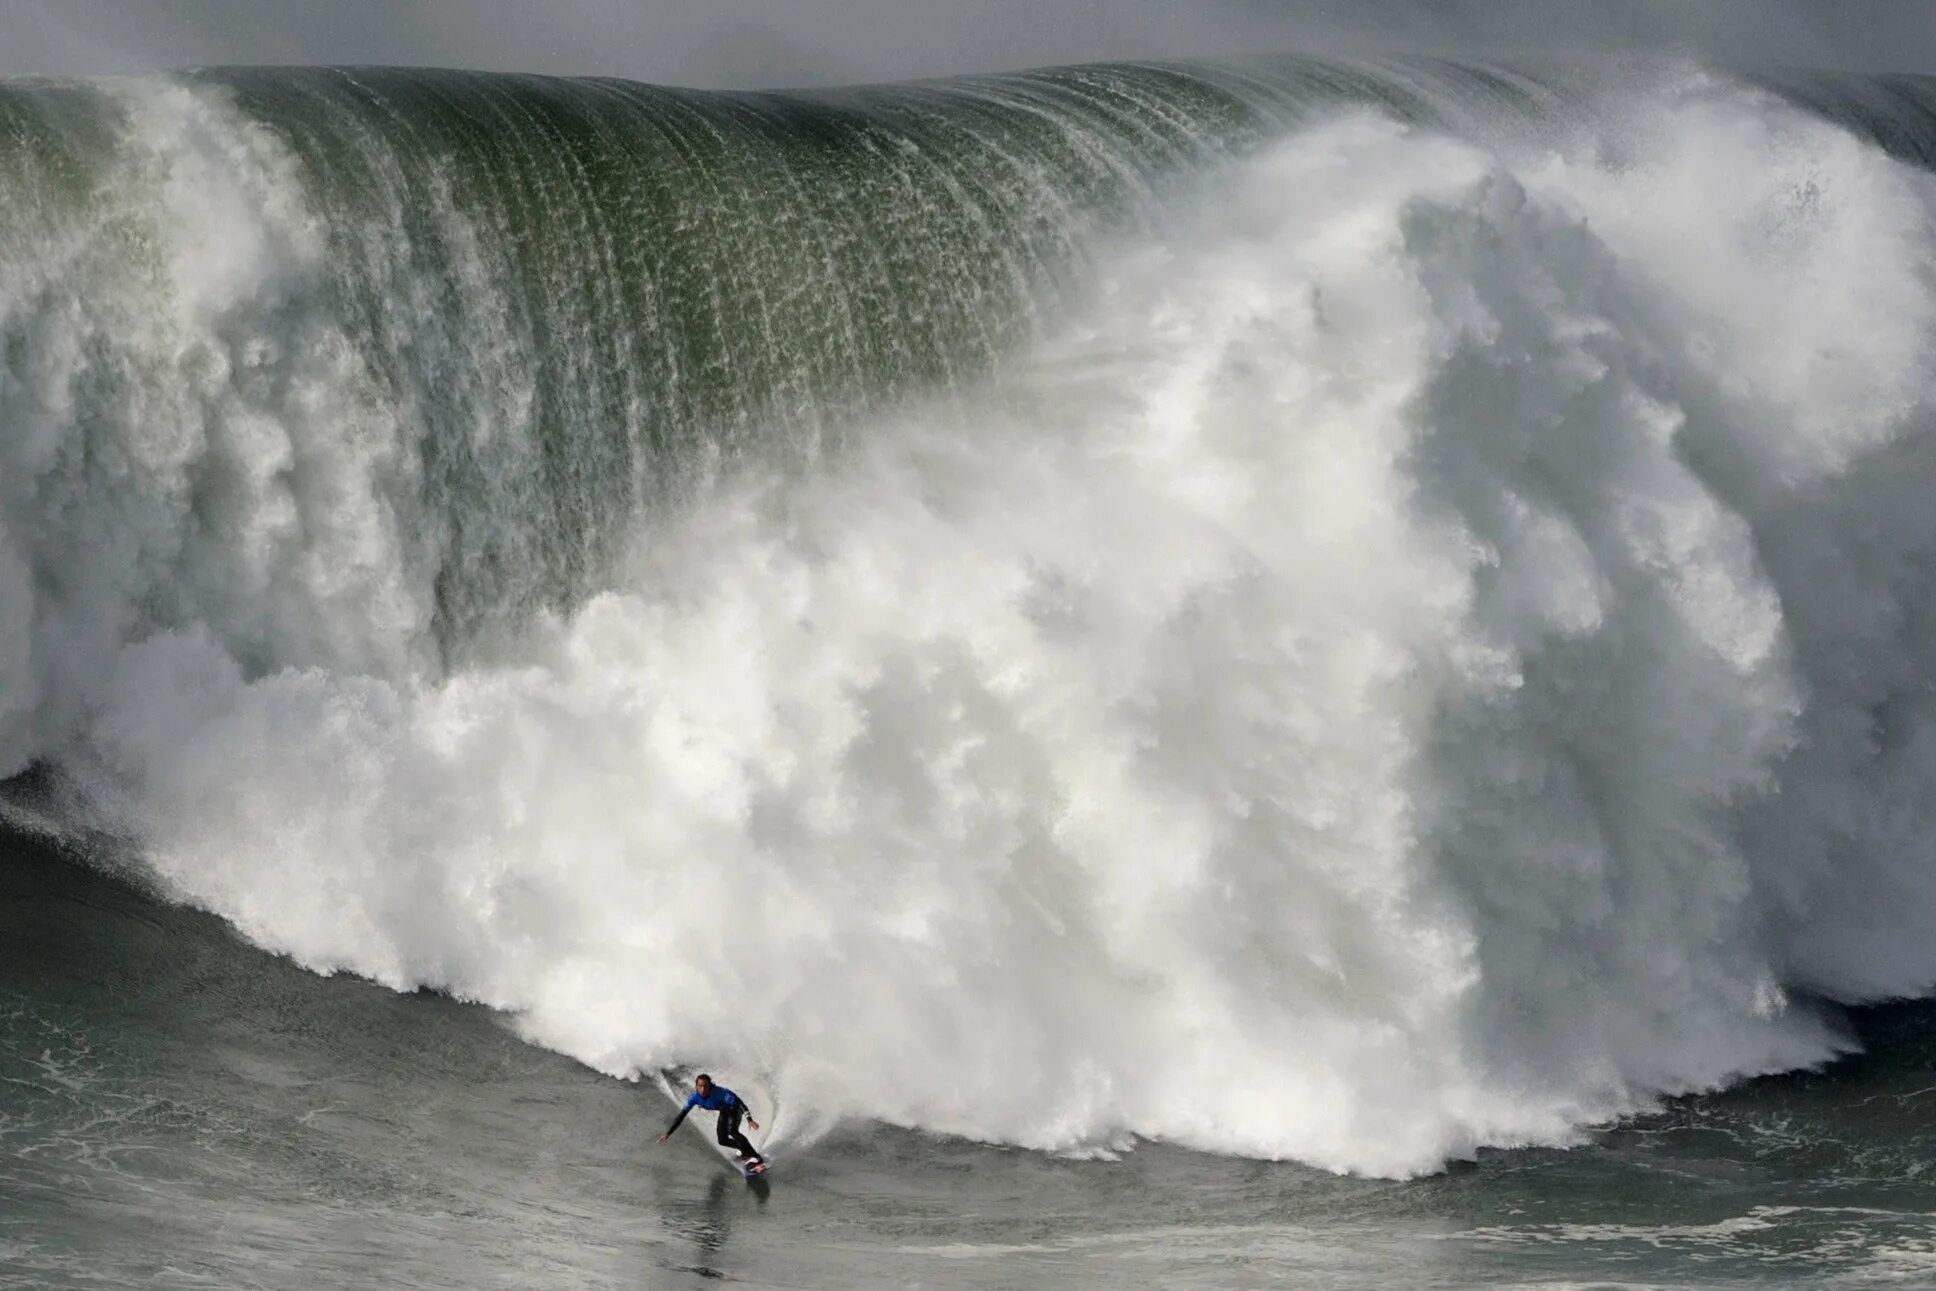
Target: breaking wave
[1346,612]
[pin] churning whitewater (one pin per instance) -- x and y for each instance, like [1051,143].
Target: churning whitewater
[1344,613]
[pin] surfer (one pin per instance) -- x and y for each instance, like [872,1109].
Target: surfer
[718,1098]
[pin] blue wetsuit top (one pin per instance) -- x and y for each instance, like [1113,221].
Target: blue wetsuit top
[718,1098]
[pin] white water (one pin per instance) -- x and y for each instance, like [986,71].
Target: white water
[1431,653]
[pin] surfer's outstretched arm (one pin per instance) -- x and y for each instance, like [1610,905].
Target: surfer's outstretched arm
[680,1117]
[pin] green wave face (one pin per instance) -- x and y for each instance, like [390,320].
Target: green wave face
[561,298]
[671,278]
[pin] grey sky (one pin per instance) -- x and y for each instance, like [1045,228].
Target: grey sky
[795,42]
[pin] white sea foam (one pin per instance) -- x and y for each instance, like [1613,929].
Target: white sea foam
[1430,652]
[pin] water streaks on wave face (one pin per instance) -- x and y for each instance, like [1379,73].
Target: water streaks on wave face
[1276,611]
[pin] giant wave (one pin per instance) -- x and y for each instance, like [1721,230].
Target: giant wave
[1338,611]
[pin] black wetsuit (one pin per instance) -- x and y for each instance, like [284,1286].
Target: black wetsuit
[731,1109]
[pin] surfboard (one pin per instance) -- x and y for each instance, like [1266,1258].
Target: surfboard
[675,1083]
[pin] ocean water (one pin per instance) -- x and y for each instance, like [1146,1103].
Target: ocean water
[1294,673]
[185,1111]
